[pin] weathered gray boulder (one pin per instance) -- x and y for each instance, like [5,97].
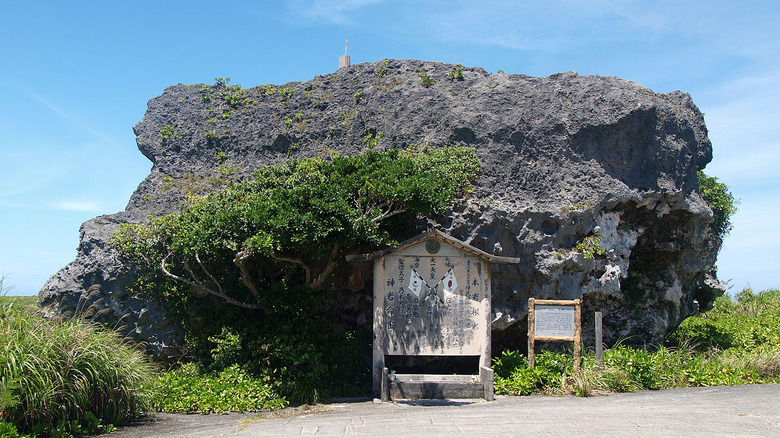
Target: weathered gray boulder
[567,161]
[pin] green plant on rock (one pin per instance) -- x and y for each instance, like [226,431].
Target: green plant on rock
[425,79]
[383,70]
[372,139]
[266,90]
[225,97]
[226,171]
[720,200]
[347,118]
[167,132]
[457,73]
[285,94]
[590,247]
[299,214]
[583,205]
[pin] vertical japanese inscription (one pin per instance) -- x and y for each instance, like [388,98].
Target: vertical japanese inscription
[441,317]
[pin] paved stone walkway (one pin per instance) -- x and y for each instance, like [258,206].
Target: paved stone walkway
[742,411]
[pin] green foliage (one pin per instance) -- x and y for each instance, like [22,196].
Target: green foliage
[8,430]
[590,247]
[347,118]
[507,362]
[226,171]
[189,390]
[426,80]
[720,200]
[382,70]
[167,132]
[225,97]
[286,93]
[736,343]
[745,324]
[457,73]
[296,213]
[371,139]
[266,90]
[66,377]
[514,377]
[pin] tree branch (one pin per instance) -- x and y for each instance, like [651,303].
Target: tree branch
[391,210]
[332,263]
[200,287]
[297,262]
[240,261]
[208,274]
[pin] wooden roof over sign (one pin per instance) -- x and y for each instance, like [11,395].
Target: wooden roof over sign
[434,234]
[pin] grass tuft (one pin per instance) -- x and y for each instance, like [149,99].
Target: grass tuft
[66,377]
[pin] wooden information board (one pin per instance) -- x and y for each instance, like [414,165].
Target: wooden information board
[554,321]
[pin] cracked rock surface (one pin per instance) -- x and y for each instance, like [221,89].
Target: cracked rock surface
[568,161]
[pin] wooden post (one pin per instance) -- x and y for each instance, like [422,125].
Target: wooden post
[531,332]
[599,342]
[577,335]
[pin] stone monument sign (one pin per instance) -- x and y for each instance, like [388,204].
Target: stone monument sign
[432,297]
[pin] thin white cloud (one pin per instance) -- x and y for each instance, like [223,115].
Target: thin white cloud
[73,120]
[548,25]
[324,11]
[744,129]
[9,204]
[75,206]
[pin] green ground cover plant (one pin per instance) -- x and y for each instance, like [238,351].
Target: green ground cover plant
[190,390]
[736,343]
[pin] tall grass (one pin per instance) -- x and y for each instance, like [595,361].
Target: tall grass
[63,377]
[738,342]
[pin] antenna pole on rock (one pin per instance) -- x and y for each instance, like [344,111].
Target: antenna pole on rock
[344,59]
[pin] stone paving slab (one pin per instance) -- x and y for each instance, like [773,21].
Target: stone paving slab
[742,411]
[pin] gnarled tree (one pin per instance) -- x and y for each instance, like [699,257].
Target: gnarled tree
[292,221]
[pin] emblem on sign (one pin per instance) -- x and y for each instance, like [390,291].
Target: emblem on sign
[448,283]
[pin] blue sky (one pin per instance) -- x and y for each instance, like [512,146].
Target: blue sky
[75,77]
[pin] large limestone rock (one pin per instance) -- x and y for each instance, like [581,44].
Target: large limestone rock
[564,158]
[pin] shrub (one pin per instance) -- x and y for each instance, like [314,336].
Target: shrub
[720,200]
[67,377]
[747,323]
